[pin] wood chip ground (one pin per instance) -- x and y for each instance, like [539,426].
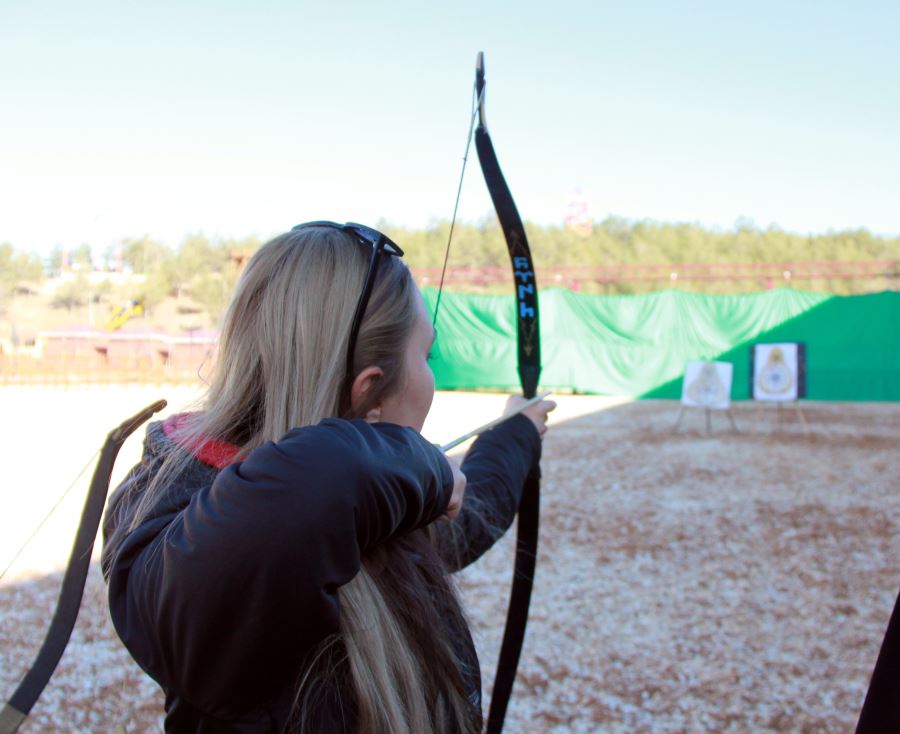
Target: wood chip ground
[689,582]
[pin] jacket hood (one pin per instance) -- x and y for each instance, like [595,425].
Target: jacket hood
[161,437]
[217,454]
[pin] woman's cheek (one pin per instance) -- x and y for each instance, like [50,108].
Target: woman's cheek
[427,381]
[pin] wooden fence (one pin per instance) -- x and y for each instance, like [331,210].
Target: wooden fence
[64,357]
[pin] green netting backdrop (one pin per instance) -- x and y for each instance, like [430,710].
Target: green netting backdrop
[638,345]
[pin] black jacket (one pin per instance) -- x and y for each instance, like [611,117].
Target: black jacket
[232,576]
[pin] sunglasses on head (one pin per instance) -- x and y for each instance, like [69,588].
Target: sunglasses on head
[379,244]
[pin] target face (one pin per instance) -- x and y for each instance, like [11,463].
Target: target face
[775,372]
[707,385]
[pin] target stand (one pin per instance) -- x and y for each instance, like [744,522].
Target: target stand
[707,385]
[781,409]
[708,412]
[778,375]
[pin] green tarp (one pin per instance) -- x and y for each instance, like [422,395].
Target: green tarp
[637,346]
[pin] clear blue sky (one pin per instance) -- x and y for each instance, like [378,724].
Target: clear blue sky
[125,118]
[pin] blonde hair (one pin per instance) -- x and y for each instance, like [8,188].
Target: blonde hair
[281,364]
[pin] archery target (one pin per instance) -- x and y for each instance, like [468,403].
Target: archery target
[776,372]
[707,385]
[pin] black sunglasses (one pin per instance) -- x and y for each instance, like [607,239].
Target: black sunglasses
[380,243]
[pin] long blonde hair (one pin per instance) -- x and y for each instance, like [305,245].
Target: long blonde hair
[281,365]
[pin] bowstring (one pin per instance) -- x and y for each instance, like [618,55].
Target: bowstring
[476,102]
[49,513]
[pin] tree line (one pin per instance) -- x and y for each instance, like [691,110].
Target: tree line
[621,241]
[206,268]
[203,268]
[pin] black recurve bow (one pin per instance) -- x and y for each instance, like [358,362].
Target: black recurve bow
[529,366]
[16,710]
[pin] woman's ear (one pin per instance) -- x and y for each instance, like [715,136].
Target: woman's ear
[361,391]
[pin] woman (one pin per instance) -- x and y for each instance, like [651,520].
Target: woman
[279,561]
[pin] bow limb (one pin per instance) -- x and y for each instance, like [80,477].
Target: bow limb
[528,331]
[16,710]
[529,366]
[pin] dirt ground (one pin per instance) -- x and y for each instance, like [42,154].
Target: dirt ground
[686,582]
